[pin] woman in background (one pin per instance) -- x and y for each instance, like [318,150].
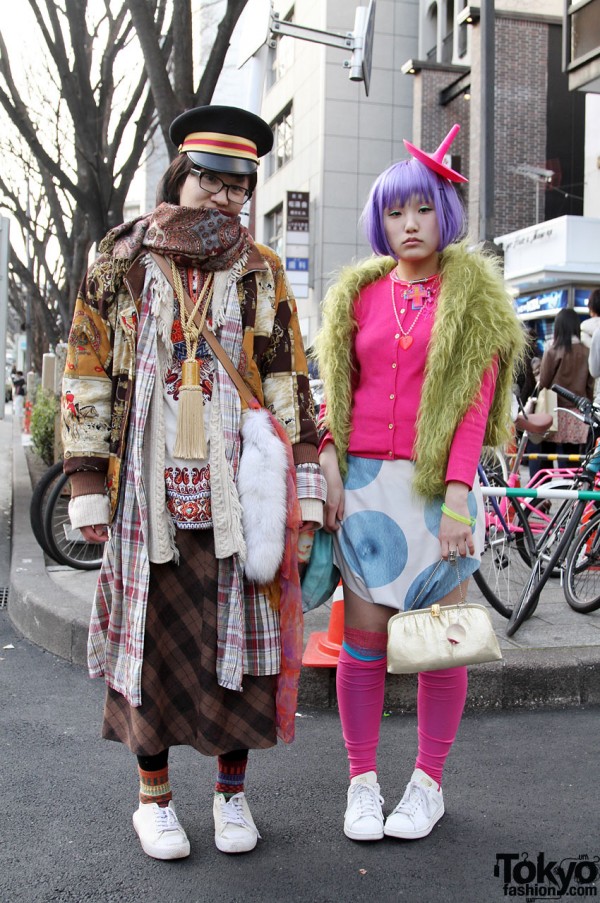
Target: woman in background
[565,362]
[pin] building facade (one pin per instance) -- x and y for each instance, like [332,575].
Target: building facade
[331,140]
[536,125]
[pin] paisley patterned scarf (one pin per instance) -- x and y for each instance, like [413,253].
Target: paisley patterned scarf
[208,239]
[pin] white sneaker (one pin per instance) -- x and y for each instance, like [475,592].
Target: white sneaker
[364,819]
[235,831]
[419,809]
[160,833]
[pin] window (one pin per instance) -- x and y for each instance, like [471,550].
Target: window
[282,144]
[281,56]
[585,30]
[274,230]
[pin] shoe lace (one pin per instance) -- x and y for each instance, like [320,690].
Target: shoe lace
[414,798]
[165,819]
[232,812]
[368,800]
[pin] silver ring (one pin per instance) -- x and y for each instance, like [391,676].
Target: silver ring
[452,555]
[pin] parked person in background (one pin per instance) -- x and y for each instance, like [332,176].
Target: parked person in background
[18,381]
[417,353]
[590,326]
[565,362]
[594,344]
[193,650]
[526,379]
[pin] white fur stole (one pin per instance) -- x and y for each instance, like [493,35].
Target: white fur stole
[262,482]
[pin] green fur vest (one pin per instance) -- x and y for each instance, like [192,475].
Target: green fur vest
[474,324]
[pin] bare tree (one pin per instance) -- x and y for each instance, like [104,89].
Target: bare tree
[176,94]
[78,133]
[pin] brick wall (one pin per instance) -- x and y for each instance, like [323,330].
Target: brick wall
[519,121]
[433,121]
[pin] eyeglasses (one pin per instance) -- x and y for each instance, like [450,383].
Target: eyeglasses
[211,183]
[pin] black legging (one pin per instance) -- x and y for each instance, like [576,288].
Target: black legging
[159,761]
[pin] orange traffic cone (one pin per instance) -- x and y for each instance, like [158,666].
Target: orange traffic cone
[323,648]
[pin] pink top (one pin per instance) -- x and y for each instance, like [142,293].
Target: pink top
[387,393]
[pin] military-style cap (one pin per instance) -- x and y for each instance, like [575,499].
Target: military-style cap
[222,139]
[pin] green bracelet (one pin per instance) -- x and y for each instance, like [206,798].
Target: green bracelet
[470,521]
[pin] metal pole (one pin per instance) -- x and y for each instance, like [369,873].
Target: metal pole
[517,492]
[487,148]
[4,249]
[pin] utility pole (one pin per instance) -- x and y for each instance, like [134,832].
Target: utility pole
[487,143]
[4,248]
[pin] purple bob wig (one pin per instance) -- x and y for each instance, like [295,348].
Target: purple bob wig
[396,186]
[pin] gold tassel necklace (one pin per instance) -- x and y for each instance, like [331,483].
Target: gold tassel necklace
[190,441]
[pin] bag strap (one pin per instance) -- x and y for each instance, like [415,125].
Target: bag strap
[212,341]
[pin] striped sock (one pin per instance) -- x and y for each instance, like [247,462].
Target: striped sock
[232,773]
[155,786]
[365,645]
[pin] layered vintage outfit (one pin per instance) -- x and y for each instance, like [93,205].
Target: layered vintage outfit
[188,428]
[177,533]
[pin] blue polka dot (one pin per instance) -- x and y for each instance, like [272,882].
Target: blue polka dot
[433,514]
[362,471]
[374,546]
[427,589]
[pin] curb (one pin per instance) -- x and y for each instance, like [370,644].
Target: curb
[545,678]
[39,609]
[55,619]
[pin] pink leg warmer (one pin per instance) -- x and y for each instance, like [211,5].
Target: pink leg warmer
[440,703]
[360,689]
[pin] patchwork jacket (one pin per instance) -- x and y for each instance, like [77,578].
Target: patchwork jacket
[98,386]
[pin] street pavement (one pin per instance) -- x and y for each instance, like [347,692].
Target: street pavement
[518,784]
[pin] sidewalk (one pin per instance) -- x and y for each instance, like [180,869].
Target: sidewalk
[552,661]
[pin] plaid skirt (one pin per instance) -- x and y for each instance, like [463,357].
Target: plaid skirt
[182,703]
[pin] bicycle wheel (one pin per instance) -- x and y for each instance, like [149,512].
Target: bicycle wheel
[508,552]
[39,500]
[551,551]
[493,461]
[582,575]
[540,512]
[68,545]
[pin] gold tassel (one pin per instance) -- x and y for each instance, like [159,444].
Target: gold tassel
[190,441]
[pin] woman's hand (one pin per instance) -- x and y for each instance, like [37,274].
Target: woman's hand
[454,535]
[97,533]
[334,506]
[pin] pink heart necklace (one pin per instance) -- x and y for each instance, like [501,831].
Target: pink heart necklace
[421,293]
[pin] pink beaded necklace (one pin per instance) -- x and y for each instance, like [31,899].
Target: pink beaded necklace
[421,293]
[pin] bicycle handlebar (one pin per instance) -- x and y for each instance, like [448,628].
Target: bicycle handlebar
[590,414]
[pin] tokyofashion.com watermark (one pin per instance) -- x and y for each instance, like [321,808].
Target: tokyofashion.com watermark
[538,877]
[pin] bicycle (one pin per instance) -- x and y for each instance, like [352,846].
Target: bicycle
[49,518]
[513,526]
[509,543]
[552,549]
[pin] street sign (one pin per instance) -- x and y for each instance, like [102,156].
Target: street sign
[364,33]
[254,25]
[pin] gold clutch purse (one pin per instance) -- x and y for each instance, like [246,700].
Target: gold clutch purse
[441,636]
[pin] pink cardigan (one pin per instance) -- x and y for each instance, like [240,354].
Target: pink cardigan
[387,390]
